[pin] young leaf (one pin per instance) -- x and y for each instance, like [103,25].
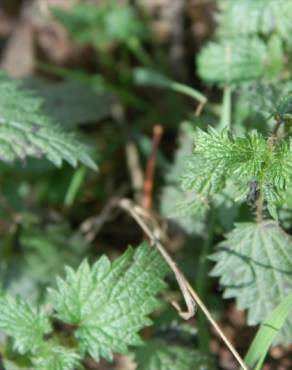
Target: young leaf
[109,302]
[271,100]
[24,323]
[241,17]
[251,159]
[254,264]
[26,131]
[218,155]
[54,357]
[249,17]
[233,60]
[158,355]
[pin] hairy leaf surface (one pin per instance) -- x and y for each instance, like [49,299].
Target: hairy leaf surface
[248,17]
[24,323]
[254,264]
[109,302]
[54,357]
[233,60]
[246,160]
[158,355]
[25,131]
[271,100]
[218,155]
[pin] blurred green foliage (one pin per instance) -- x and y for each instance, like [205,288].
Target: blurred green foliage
[222,168]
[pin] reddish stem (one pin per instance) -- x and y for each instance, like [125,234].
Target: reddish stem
[150,167]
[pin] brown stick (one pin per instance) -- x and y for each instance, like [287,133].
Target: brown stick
[190,296]
[150,167]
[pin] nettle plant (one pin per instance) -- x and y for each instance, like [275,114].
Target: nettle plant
[103,305]
[234,176]
[235,172]
[245,160]
[95,310]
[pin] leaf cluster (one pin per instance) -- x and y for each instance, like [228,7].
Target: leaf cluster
[251,159]
[252,38]
[105,304]
[102,25]
[248,17]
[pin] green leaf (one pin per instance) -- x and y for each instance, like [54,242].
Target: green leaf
[9,365]
[109,302]
[24,323]
[278,175]
[159,355]
[254,264]
[72,103]
[219,155]
[144,76]
[55,357]
[46,250]
[233,60]
[280,169]
[276,58]
[248,17]
[100,25]
[243,156]
[270,100]
[251,159]
[267,333]
[241,17]
[26,131]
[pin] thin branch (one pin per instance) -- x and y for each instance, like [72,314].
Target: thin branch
[132,153]
[92,226]
[225,120]
[191,298]
[200,108]
[134,167]
[150,167]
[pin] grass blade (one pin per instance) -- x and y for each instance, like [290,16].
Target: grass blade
[267,333]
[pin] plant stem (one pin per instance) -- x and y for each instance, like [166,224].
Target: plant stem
[202,284]
[187,90]
[140,53]
[225,121]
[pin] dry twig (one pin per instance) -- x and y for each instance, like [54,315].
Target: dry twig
[150,168]
[149,226]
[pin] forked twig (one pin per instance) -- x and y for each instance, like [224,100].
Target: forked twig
[144,220]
